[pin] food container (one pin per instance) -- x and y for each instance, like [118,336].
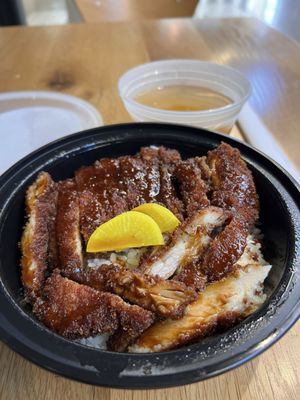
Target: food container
[198,74]
[280,224]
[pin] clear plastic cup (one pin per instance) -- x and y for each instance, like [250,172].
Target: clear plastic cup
[219,78]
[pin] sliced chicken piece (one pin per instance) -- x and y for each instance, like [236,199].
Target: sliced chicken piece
[192,187]
[149,180]
[168,196]
[192,275]
[233,189]
[102,194]
[133,321]
[77,311]
[166,298]
[225,250]
[221,305]
[166,156]
[149,177]
[188,243]
[204,168]
[142,180]
[69,246]
[232,183]
[41,209]
[73,310]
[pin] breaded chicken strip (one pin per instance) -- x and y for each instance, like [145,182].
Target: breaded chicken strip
[41,209]
[233,189]
[192,187]
[221,305]
[232,183]
[188,244]
[102,194]
[225,250]
[69,246]
[77,311]
[166,160]
[166,298]
[113,186]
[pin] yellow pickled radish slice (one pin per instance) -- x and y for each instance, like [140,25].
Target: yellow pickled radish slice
[127,230]
[164,218]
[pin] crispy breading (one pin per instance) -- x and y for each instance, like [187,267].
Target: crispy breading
[76,311]
[168,196]
[114,186]
[69,246]
[192,187]
[73,310]
[204,168]
[232,189]
[133,321]
[187,245]
[216,199]
[166,160]
[192,275]
[225,250]
[232,183]
[142,180]
[168,157]
[167,298]
[102,194]
[41,209]
[221,304]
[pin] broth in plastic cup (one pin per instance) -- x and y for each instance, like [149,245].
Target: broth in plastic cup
[190,92]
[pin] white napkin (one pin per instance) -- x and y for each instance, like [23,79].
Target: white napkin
[260,137]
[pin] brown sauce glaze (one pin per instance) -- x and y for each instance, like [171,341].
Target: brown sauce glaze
[225,250]
[193,188]
[232,183]
[102,194]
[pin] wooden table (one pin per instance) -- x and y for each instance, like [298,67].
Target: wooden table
[86,61]
[122,10]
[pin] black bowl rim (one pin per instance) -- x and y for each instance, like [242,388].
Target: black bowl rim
[143,370]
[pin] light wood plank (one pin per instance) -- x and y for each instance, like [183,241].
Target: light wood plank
[87,60]
[275,375]
[131,10]
[97,55]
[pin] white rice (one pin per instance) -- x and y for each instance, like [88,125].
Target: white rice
[98,342]
[128,258]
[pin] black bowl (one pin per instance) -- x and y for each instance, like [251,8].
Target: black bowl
[280,220]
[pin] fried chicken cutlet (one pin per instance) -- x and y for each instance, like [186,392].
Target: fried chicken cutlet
[166,298]
[36,239]
[113,186]
[188,243]
[233,189]
[193,187]
[232,183]
[222,180]
[75,311]
[220,306]
[215,199]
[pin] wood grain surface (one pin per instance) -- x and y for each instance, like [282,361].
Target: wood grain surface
[122,10]
[274,375]
[87,60]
